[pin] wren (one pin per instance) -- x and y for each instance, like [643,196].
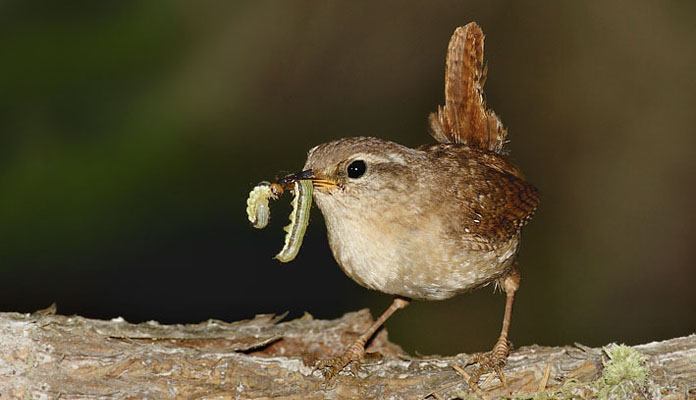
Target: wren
[431,222]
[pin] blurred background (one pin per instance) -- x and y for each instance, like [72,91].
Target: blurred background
[131,133]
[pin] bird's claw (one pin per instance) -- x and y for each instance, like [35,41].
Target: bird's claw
[492,361]
[332,366]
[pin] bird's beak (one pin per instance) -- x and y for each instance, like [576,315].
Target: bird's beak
[292,178]
[317,181]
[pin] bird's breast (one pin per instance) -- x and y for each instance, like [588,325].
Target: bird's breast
[411,256]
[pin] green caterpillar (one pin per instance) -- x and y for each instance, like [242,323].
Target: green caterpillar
[257,209]
[299,219]
[259,213]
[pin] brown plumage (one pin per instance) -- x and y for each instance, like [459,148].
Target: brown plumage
[424,223]
[431,222]
[464,118]
[495,199]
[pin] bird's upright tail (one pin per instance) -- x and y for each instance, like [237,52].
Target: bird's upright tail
[464,118]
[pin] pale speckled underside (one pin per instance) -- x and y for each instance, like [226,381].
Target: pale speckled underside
[415,264]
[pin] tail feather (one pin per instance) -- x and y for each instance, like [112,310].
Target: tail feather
[464,118]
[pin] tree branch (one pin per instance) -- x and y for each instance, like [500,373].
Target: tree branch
[49,356]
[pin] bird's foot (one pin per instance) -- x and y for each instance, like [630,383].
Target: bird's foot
[492,361]
[332,366]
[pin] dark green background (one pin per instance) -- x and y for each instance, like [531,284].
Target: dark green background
[132,131]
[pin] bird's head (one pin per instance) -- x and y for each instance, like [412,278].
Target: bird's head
[361,173]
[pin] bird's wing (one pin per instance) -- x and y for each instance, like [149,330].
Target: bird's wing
[503,205]
[488,198]
[464,118]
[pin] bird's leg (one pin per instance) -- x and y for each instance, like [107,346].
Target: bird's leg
[356,351]
[496,358]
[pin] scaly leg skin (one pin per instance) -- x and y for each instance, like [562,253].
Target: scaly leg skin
[356,351]
[496,358]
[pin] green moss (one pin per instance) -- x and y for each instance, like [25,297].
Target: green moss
[624,372]
[624,364]
[624,376]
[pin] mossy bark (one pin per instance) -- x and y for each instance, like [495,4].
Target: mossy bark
[43,355]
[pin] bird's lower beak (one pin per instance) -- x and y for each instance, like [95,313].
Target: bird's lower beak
[317,181]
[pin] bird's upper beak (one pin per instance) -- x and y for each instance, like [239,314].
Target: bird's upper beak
[317,181]
[292,178]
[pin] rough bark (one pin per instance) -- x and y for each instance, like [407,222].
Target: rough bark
[43,355]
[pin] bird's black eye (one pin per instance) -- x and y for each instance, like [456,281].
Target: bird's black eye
[356,169]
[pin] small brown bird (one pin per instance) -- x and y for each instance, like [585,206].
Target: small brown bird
[432,222]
